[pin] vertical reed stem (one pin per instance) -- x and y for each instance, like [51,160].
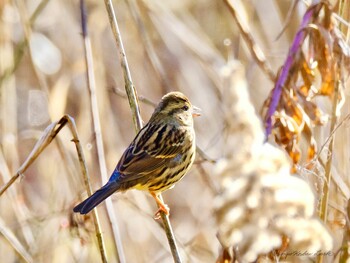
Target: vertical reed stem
[97,129]
[134,106]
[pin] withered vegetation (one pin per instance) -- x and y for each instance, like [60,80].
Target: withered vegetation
[270,180]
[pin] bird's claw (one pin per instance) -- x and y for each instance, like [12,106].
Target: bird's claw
[164,208]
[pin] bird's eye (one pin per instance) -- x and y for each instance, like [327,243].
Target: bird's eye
[185,108]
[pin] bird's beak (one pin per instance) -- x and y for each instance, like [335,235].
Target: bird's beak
[196,111]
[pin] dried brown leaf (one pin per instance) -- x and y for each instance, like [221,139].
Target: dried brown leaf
[317,68]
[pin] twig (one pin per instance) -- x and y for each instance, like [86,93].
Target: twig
[49,134]
[291,11]
[346,118]
[323,213]
[255,50]
[97,129]
[86,176]
[204,156]
[37,11]
[122,94]
[129,86]
[133,102]
[170,235]
[343,12]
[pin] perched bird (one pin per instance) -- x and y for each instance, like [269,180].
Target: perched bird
[160,155]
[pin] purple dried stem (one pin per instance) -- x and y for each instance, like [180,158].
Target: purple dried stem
[283,77]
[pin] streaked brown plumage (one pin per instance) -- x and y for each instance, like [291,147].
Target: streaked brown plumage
[159,156]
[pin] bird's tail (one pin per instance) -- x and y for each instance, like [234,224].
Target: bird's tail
[99,196]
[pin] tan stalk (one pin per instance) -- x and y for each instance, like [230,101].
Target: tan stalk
[97,130]
[254,48]
[325,197]
[134,106]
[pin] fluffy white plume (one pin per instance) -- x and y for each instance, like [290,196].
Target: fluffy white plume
[260,200]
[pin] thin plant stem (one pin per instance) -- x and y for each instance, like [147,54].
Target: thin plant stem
[323,212]
[86,176]
[325,192]
[291,11]
[170,235]
[344,14]
[129,86]
[254,48]
[142,99]
[134,106]
[97,129]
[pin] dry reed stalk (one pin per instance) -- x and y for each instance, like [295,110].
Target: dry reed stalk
[142,99]
[327,181]
[134,106]
[344,14]
[129,86]
[326,185]
[254,48]
[83,167]
[97,131]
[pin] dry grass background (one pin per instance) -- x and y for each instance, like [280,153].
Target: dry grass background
[170,45]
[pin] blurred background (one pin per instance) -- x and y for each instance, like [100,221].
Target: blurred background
[170,45]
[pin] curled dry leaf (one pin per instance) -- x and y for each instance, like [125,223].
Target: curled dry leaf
[316,62]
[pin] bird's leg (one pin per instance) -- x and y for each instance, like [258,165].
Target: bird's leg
[162,207]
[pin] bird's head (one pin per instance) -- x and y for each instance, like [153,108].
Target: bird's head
[175,106]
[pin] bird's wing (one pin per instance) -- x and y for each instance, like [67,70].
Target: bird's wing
[153,148]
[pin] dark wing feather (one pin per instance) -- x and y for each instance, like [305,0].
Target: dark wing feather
[154,146]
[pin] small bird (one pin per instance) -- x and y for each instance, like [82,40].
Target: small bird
[160,155]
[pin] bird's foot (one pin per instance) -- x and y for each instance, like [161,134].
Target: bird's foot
[162,208]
